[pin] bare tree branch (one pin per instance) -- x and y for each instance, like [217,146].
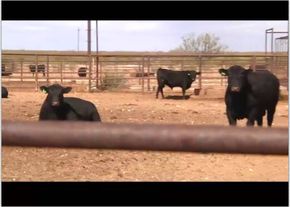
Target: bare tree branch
[204,43]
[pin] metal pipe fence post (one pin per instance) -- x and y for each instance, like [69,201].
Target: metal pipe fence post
[143,62]
[101,73]
[272,39]
[200,70]
[139,71]
[47,71]
[97,57]
[182,65]
[90,73]
[266,41]
[21,71]
[36,73]
[148,72]
[89,55]
[97,71]
[254,63]
[61,75]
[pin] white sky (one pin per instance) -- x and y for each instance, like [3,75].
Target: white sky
[134,35]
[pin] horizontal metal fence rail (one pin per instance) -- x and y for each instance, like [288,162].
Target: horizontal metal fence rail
[124,68]
[215,139]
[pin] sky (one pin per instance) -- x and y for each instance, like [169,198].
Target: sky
[239,36]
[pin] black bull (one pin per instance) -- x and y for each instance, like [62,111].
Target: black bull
[171,78]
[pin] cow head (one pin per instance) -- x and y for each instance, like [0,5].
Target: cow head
[55,94]
[192,74]
[237,77]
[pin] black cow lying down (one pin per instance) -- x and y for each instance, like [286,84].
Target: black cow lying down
[4,92]
[57,107]
[250,94]
[171,78]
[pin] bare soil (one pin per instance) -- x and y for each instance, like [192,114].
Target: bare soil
[49,164]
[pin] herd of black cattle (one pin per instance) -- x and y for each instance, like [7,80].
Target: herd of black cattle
[249,94]
[82,71]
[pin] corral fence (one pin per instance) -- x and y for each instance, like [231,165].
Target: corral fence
[128,72]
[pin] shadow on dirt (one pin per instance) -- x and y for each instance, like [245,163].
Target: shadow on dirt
[178,97]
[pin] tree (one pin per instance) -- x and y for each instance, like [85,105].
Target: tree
[204,43]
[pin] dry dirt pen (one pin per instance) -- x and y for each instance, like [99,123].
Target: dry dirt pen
[50,164]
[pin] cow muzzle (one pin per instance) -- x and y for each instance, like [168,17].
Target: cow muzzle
[235,89]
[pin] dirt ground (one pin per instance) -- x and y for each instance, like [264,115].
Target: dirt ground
[49,164]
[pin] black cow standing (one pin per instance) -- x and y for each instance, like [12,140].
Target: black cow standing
[57,107]
[40,68]
[250,94]
[4,92]
[171,78]
[4,72]
[82,72]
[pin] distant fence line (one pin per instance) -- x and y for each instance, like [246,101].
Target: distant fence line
[129,72]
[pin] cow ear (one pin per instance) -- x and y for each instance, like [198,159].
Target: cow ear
[198,73]
[250,70]
[223,72]
[247,71]
[66,89]
[44,89]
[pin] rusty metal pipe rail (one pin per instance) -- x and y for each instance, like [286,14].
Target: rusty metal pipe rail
[186,138]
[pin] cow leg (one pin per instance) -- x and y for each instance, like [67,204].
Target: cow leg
[270,115]
[183,93]
[157,92]
[260,120]
[252,116]
[232,121]
[160,89]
